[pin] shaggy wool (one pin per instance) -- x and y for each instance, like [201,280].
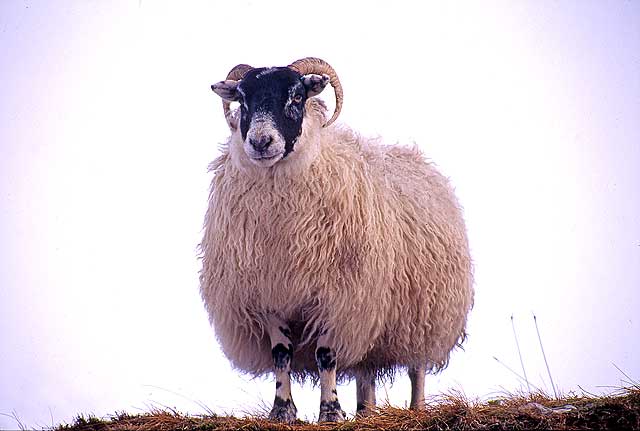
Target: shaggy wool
[347,237]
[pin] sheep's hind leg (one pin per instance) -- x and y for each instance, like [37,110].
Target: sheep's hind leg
[365,393]
[416,375]
[330,410]
[284,410]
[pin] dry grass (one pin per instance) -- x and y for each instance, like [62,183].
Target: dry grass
[447,412]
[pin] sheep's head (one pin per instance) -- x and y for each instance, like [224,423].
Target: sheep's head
[272,104]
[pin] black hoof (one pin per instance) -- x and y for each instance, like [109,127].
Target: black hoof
[330,411]
[283,411]
[337,416]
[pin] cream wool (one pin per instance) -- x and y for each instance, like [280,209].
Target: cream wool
[345,237]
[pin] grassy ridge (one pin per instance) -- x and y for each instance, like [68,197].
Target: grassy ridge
[446,412]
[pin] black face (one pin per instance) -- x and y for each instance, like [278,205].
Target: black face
[275,92]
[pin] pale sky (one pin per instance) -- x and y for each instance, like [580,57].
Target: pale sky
[107,125]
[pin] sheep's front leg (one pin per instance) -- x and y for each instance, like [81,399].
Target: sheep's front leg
[365,393]
[416,375]
[284,410]
[330,410]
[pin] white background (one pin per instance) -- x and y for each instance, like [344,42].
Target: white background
[107,124]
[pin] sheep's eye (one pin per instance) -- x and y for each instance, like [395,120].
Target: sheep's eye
[297,98]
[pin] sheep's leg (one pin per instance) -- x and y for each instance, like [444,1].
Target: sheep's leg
[416,375]
[284,410]
[365,393]
[330,410]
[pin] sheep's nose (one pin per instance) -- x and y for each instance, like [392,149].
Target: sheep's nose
[261,143]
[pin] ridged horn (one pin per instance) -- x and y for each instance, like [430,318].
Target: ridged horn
[235,74]
[318,66]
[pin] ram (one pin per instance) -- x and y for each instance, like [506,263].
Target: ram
[325,254]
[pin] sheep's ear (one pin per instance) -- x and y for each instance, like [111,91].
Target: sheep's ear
[228,90]
[314,84]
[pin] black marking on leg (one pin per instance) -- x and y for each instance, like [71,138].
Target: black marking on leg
[281,403]
[282,355]
[330,406]
[278,384]
[285,331]
[325,359]
[283,410]
[330,411]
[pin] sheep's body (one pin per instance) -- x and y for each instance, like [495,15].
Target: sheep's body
[362,242]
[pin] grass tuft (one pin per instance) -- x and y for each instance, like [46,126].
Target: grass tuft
[444,412]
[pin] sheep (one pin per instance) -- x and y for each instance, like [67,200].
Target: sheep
[325,254]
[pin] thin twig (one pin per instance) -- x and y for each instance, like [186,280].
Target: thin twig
[513,326]
[15,417]
[553,386]
[517,375]
[631,381]
[591,394]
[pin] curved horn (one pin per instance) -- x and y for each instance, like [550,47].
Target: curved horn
[235,74]
[238,72]
[309,65]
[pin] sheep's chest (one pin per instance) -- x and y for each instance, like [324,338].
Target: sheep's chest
[274,237]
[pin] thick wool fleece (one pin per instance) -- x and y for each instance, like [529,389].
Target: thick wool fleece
[346,237]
